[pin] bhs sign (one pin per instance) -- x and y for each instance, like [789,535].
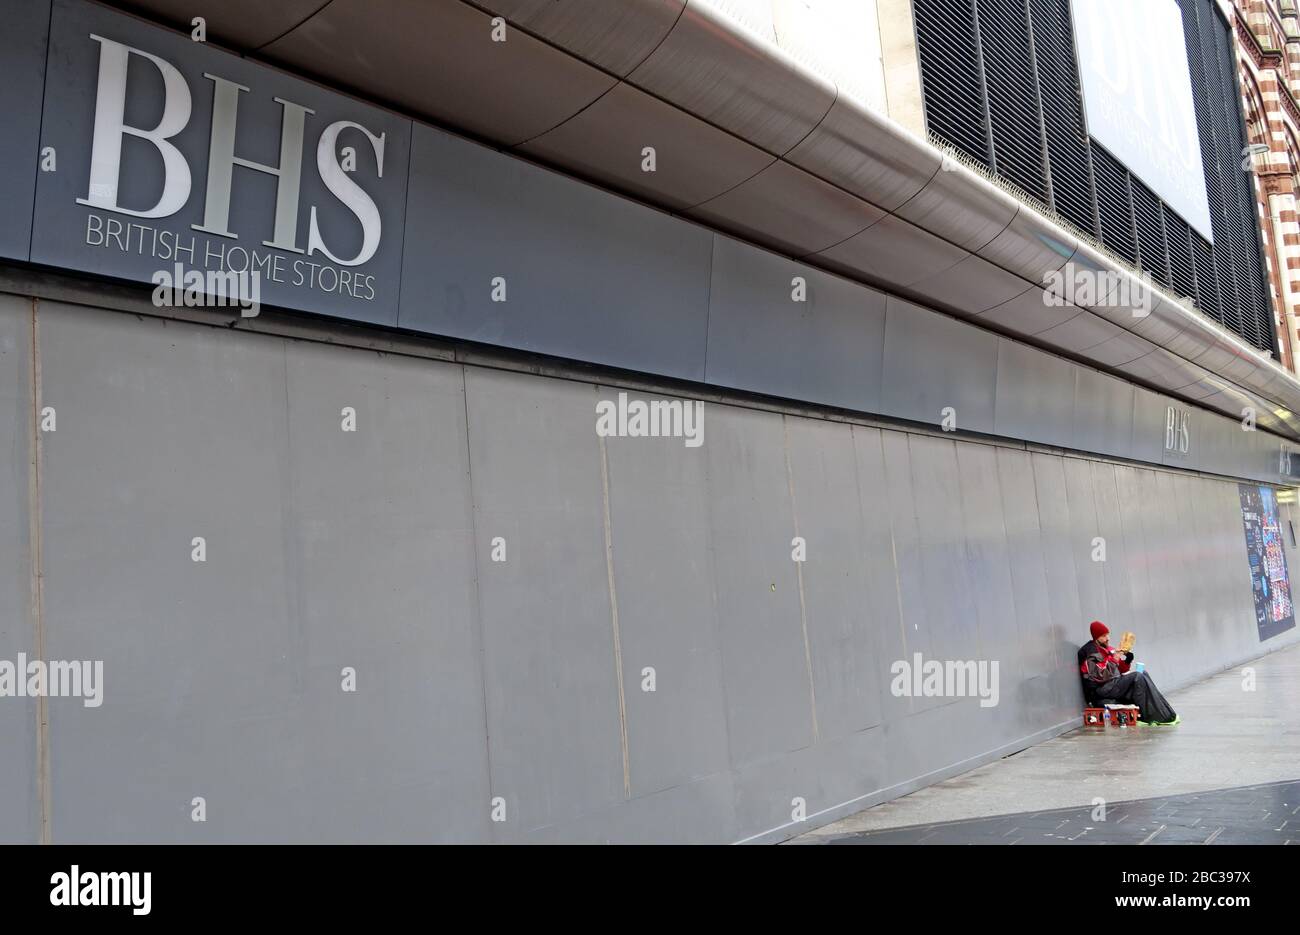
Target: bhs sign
[110,127]
[1177,430]
[171,152]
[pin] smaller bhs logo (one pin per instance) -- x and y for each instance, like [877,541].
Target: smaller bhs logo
[1177,430]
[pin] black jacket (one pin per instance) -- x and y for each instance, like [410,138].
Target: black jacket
[1098,665]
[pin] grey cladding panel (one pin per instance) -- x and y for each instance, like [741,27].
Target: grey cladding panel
[326,550]
[881,605]
[842,635]
[1057,544]
[548,638]
[19,808]
[382,563]
[933,362]
[1035,397]
[826,349]
[764,660]
[22,50]
[982,517]
[896,474]
[1119,550]
[638,301]
[1037,633]
[663,575]
[1103,414]
[944,574]
[204,664]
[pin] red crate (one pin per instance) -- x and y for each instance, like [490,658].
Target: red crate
[1124,716]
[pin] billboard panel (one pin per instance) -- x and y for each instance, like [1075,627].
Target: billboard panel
[1137,95]
[1274,612]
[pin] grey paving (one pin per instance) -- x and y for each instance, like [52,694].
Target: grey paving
[1242,745]
[1263,814]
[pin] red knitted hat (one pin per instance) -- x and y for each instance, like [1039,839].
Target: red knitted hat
[1098,629]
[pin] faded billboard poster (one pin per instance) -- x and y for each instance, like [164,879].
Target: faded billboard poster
[1274,612]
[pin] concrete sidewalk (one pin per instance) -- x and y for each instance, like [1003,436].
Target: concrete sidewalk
[1229,738]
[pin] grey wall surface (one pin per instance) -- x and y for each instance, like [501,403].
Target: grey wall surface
[523,679]
[229,671]
[19,802]
[587,275]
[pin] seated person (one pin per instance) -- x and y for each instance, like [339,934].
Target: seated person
[1106,677]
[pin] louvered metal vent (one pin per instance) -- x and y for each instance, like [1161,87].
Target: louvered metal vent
[1014,114]
[1182,266]
[1001,84]
[1069,156]
[1115,205]
[1207,278]
[946,33]
[1148,218]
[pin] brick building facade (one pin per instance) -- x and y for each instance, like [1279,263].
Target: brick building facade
[1268,44]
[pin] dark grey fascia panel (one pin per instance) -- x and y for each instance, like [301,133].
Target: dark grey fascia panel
[826,347]
[148,216]
[22,52]
[934,362]
[1103,413]
[1035,395]
[584,274]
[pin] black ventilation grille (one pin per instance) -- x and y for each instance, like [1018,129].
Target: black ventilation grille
[1069,156]
[1001,84]
[1012,95]
[1207,278]
[1149,219]
[1115,205]
[1182,266]
[945,32]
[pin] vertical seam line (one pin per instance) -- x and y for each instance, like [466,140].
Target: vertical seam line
[798,571]
[478,597]
[613,612]
[38,581]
